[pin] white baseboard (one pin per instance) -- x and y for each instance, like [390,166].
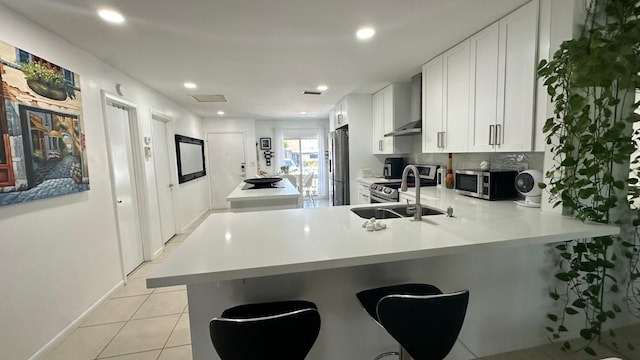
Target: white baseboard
[62,335]
[192,222]
[158,253]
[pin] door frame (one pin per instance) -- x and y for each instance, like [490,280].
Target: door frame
[139,185]
[206,144]
[168,122]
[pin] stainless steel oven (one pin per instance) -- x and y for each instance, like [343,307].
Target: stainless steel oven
[385,192]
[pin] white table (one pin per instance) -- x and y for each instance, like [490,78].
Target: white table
[495,249]
[273,198]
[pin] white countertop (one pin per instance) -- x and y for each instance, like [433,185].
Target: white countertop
[229,246]
[375,179]
[288,191]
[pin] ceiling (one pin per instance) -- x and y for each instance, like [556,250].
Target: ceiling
[261,54]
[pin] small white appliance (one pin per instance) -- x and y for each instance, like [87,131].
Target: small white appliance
[527,184]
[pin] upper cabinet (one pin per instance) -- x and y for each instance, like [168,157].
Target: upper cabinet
[504,75]
[446,85]
[341,114]
[479,96]
[391,109]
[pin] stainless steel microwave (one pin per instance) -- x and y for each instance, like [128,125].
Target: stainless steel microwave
[488,185]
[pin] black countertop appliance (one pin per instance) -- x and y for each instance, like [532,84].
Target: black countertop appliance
[393,167]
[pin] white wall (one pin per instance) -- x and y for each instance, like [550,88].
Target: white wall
[246,126]
[267,128]
[59,256]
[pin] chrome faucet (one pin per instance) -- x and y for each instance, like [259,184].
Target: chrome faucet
[415,209]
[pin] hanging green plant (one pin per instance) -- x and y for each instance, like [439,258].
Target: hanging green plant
[592,81]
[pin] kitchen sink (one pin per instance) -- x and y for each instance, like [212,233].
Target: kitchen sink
[390,212]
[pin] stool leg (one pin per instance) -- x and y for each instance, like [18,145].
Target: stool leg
[389,353]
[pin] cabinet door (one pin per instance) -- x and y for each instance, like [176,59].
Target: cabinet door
[341,113]
[388,120]
[332,119]
[432,105]
[363,194]
[518,38]
[378,126]
[457,84]
[484,94]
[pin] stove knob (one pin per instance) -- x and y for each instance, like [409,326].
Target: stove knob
[387,191]
[373,186]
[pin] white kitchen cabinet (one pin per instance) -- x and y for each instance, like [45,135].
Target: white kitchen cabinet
[446,101]
[485,52]
[391,109]
[341,113]
[332,119]
[517,80]
[503,75]
[363,193]
[432,101]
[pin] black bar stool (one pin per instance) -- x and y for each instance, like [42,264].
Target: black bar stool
[423,320]
[275,330]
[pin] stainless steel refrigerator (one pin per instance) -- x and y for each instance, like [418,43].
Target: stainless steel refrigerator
[339,166]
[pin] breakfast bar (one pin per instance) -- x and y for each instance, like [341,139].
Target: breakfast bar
[495,249]
[250,197]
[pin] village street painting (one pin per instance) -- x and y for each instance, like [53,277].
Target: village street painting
[42,142]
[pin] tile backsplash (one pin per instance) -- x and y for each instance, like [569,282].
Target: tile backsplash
[520,161]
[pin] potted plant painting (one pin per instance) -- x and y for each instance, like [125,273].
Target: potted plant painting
[47,82]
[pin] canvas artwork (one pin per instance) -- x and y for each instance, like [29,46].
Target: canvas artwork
[42,142]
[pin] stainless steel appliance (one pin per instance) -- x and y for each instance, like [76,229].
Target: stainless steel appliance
[488,185]
[339,166]
[388,191]
[393,168]
[415,126]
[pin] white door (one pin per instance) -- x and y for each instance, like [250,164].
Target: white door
[227,165]
[163,179]
[119,135]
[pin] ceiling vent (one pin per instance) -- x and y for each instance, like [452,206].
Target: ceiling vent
[310,92]
[210,98]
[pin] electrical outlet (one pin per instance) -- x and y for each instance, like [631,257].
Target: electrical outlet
[522,166]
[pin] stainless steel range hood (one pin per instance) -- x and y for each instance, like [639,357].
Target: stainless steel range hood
[412,128]
[415,126]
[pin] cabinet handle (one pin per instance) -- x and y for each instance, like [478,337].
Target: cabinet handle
[442,139]
[491,130]
[380,145]
[438,140]
[498,134]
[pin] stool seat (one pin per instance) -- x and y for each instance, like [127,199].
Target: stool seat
[274,330]
[422,319]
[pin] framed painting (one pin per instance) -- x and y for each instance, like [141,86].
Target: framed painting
[41,117]
[265,143]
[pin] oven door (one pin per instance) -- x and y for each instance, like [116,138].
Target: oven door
[469,183]
[377,199]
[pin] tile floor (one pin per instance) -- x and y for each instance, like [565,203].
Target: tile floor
[137,323]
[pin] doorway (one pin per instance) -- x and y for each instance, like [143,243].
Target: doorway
[227,164]
[302,156]
[164,182]
[120,119]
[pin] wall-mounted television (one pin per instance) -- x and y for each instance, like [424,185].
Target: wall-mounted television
[190,156]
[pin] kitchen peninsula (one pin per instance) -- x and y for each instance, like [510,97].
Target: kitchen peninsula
[494,249]
[246,197]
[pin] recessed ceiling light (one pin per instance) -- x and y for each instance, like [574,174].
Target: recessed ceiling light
[322,87]
[220,112]
[303,113]
[190,85]
[111,16]
[365,33]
